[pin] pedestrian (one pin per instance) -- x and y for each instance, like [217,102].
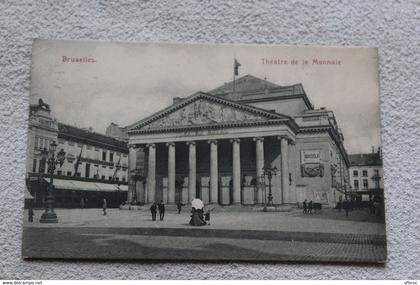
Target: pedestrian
[346,206]
[153,211]
[305,209]
[161,207]
[207,217]
[371,207]
[104,206]
[179,206]
[310,207]
[340,203]
[31,212]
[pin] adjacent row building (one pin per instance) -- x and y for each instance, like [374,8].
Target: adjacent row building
[95,165]
[366,174]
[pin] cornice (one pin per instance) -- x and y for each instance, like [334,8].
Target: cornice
[226,125]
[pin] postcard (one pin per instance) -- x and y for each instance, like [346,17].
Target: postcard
[157,151]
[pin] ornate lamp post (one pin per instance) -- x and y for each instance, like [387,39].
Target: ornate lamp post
[49,215]
[137,176]
[269,171]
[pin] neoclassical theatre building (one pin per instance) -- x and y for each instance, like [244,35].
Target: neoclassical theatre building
[215,146]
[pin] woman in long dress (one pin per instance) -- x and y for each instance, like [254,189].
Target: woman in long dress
[197,217]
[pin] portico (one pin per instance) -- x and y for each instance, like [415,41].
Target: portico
[214,149]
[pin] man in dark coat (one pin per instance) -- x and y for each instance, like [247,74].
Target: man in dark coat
[179,206]
[161,207]
[310,207]
[346,206]
[153,211]
[305,209]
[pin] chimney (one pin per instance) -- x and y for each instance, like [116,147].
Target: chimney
[379,152]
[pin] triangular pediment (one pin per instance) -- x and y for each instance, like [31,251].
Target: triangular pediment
[203,109]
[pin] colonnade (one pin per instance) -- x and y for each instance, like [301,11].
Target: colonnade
[214,173]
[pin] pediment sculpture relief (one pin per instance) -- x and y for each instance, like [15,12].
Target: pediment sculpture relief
[203,112]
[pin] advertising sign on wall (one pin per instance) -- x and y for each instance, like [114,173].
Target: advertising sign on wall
[310,156]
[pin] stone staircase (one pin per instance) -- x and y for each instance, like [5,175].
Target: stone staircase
[216,208]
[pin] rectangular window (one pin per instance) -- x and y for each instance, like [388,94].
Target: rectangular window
[365,184]
[110,177]
[123,179]
[34,166]
[117,179]
[355,173]
[103,177]
[356,184]
[104,155]
[36,142]
[59,172]
[364,173]
[68,173]
[111,157]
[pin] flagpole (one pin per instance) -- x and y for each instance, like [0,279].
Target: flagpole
[234,77]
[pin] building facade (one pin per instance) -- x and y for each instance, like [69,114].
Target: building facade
[217,145]
[366,173]
[95,165]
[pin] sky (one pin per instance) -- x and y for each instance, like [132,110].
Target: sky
[129,81]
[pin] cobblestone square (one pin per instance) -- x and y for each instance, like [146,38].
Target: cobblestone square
[123,234]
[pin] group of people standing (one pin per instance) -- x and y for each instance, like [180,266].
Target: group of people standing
[346,205]
[198,218]
[161,207]
[308,207]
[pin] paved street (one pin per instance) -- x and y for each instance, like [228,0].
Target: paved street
[246,235]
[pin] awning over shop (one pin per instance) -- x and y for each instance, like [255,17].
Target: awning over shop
[87,186]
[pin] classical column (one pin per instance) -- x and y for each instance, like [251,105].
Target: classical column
[214,171]
[171,172]
[284,167]
[151,174]
[259,149]
[236,171]
[191,171]
[132,153]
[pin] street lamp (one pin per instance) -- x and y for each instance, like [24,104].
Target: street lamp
[269,171]
[137,176]
[49,215]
